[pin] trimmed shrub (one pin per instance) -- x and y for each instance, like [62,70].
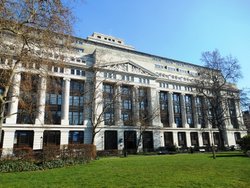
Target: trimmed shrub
[245,143]
[24,159]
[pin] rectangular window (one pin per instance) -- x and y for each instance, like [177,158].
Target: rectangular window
[126,100]
[23,139]
[51,138]
[76,102]
[177,109]
[143,106]
[164,108]
[232,113]
[189,110]
[194,139]
[199,103]
[182,139]
[108,104]
[76,137]
[53,101]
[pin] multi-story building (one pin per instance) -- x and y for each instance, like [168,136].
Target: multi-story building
[130,97]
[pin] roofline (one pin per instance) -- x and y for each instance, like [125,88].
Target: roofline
[138,52]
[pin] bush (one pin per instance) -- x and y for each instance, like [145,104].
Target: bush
[245,143]
[24,159]
[17,166]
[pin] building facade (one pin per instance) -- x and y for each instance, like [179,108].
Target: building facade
[134,100]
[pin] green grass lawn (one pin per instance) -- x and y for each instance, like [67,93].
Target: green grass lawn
[182,170]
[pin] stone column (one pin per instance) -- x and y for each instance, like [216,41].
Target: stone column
[225,106]
[195,115]
[41,101]
[183,111]
[200,138]
[239,114]
[171,110]
[117,105]
[65,106]
[98,103]
[13,105]
[175,138]
[88,100]
[8,142]
[120,139]
[154,106]
[38,139]
[64,138]
[188,139]
[136,113]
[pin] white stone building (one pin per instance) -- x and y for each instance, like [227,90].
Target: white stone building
[156,89]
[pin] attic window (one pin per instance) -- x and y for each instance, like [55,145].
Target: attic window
[119,41]
[109,39]
[105,38]
[99,37]
[113,40]
[166,67]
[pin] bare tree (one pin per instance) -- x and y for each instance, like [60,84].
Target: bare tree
[216,84]
[244,99]
[31,32]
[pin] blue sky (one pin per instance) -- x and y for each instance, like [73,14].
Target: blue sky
[178,29]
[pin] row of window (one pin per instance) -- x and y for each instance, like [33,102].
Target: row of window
[28,104]
[26,139]
[169,68]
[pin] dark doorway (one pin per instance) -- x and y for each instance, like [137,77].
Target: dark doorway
[237,137]
[147,141]
[168,138]
[110,138]
[130,141]
[205,139]
[217,140]
[194,139]
[23,139]
[51,138]
[182,139]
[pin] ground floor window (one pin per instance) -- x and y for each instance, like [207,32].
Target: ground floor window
[76,137]
[194,139]
[205,139]
[217,140]
[23,139]
[110,138]
[168,138]
[182,139]
[147,141]
[51,138]
[130,141]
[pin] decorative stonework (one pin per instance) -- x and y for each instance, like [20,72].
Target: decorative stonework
[128,68]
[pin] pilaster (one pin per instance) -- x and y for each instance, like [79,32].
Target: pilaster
[183,111]
[171,110]
[41,101]
[38,139]
[65,106]
[13,105]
